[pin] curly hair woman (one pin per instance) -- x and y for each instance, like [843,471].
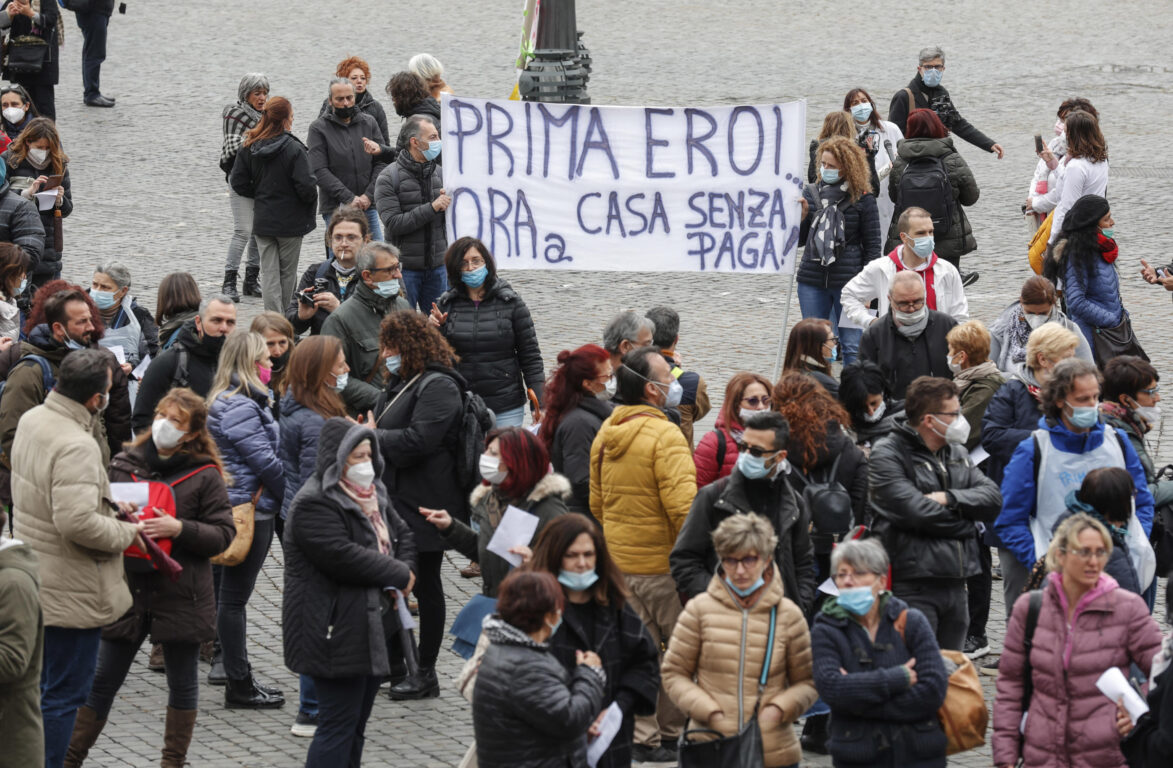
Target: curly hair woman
[841,232]
[358,72]
[417,423]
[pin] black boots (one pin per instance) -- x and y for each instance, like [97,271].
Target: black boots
[217,675]
[252,284]
[814,734]
[249,694]
[229,286]
[422,685]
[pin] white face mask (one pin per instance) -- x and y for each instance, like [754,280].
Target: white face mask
[166,435]
[14,114]
[490,467]
[876,415]
[361,474]
[608,390]
[1035,321]
[1151,414]
[954,367]
[39,157]
[956,433]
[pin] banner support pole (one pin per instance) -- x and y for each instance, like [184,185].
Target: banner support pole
[785,323]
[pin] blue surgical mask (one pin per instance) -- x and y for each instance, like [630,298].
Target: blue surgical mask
[393,364]
[752,467]
[475,278]
[829,175]
[861,112]
[554,627]
[923,246]
[386,288]
[856,600]
[340,382]
[1109,233]
[103,299]
[433,150]
[748,591]
[71,344]
[1084,416]
[578,581]
[23,284]
[932,77]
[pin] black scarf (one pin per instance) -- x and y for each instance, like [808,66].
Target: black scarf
[828,232]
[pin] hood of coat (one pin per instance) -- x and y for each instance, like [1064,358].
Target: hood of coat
[14,553]
[600,409]
[624,425]
[335,442]
[1073,442]
[41,342]
[553,484]
[915,149]
[501,632]
[270,148]
[768,596]
[189,339]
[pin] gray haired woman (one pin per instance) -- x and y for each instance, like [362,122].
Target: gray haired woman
[131,332]
[878,666]
[239,118]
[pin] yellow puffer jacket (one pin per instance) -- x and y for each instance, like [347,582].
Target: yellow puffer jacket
[706,645]
[643,481]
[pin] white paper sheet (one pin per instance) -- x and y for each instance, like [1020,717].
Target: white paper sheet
[612,721]
[516,528]
[828,588]
[134,493]
[119,353]
[845,321]
[46,200]
[1113,684]
[978,455]
[141,370]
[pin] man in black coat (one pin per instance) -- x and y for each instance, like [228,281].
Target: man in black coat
[909,341]
[693,559]
[928,93]
[189,362]
[93,18]
[345,173]
[928,498]
[411,201]
[326,284]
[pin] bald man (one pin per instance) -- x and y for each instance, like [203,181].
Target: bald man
[908,341]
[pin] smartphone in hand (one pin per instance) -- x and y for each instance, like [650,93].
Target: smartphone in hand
[1039,146]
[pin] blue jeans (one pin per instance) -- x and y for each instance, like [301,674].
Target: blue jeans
[825,303]
[372,223]
[71,656]
[308,695]
[514,417]
[342,720]
[93,49]
[425,286]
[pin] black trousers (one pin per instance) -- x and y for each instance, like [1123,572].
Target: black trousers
[344,706]
[93,50]
[429,593]
[980,588]
[182,661]
[944,604]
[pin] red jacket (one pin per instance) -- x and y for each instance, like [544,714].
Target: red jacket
[705,456]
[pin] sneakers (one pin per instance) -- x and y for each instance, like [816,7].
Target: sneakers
[990,668]
[305,725]
[969,278]
[976,647]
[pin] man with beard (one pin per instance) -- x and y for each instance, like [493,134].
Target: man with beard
[326,284]
[346,174]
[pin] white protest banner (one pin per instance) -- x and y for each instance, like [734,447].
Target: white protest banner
[655,189]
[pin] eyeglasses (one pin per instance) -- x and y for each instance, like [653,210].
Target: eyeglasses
[1150,392]
[472,264]
[731,563]
[345,238]
[757,402]
[1083,553]
[954,414]
[844,575]
[391,269]
[937,67]
[755,451]
[909,306]
[833,341]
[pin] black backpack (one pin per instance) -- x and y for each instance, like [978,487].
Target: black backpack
[832,513]
[925,184]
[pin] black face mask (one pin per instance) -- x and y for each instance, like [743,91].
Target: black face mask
[345,113]
[212,343]
[281,360]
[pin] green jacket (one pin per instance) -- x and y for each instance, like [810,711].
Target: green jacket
[975,396]
[357,323]
[21,641]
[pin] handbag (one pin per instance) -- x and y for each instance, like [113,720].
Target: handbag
[244,517]
[1038,244]
[25,55]
[741,751]
[1108,343]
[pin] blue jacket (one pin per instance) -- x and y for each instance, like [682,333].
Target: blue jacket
[877,718]
[299,446]
[1018,486]
[247,435]
[1013,413]
[1092,302]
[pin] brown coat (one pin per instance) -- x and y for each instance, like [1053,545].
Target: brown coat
[706,645]
[183,610]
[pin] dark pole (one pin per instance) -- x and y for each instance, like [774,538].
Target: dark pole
[560,67]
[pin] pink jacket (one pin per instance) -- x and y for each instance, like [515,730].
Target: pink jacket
[705,456]
[1071,724]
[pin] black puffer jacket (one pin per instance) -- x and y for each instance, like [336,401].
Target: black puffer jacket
[22,225]
[276,174]
[334,572]
[903,359]
[959,240]
[570,452]
[528,711]
[418,436]
[861,224]
[496,342]
[924,539]
[694,561]
[21,176]
[182,611]
[403,196]
[162,373]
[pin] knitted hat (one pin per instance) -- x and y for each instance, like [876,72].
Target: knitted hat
[1086,213]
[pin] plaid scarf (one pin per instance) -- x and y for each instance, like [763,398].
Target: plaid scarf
[828,232]
[239,118]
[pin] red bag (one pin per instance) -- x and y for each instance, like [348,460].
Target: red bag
[160,502]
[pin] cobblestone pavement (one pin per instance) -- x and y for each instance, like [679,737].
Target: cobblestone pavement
[147,189]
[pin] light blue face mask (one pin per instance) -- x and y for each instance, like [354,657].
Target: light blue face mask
[856,600]
[433,150]
[554,627]
[829,175]
[475,278]
[932,77]
[340,382]
[861,112]
[752,467]
[749,590]
[578,581]
[1109,233]
[71,344]
[923,246]
[23,284]
[393,364]
[1084,416]
[387,288]
[103,299]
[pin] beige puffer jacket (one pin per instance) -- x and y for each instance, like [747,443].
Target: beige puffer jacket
[58,485]
[706,644]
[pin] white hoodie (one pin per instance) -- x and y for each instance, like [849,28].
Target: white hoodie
[873,280]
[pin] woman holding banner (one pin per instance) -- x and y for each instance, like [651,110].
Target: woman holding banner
[841,232]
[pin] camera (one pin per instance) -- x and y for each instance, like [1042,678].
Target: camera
[945,110]
[321,285]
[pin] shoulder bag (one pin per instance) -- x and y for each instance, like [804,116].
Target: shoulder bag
[244,518]
[1108,343]
[741,751]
